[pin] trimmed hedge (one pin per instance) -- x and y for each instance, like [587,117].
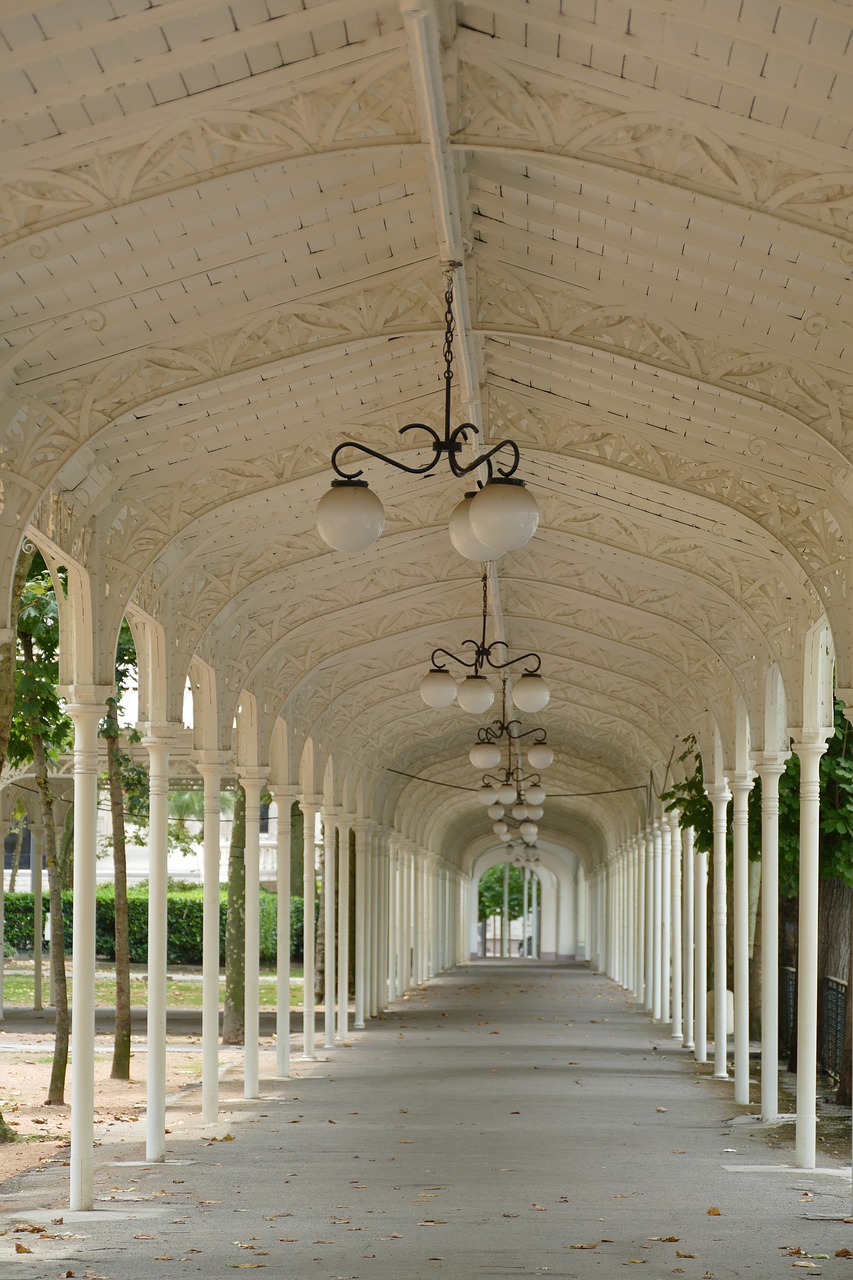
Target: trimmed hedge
[184,924]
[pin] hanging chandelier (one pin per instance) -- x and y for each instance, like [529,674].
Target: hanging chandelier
[498,516]
[474,693]
[513,798]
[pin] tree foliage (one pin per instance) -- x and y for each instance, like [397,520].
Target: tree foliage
[836,809]
[491,900]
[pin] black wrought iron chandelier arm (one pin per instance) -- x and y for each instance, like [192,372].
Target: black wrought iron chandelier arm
[512,777]
[475,664]
[515,731]
[437,445]
[533,658]
[512,729]
[482,459]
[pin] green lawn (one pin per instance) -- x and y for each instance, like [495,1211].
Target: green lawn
[181,992]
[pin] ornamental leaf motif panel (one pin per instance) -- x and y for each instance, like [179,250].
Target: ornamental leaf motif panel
[500,106]
[74,410]
[506,301]
[373,108]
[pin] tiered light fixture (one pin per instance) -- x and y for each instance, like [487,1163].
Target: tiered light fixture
[474,693]
[498,516]
[512,796]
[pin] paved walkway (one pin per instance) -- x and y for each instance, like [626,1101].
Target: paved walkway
[509,1119]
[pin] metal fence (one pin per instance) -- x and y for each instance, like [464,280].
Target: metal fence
[833,1011]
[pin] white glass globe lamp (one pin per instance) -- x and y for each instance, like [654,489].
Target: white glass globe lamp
[495,811]
[484,755]
[462,536]
[519,811]
[534,812]
[500,828]
[475,694]
[535,795]
[503,514]
[350,517]
[506,793]
[438,688]
[488,795]
[530,693]
[540,755]
[528,831]
[506,837]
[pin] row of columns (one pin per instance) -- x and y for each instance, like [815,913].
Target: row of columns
[648,928]
[409,913]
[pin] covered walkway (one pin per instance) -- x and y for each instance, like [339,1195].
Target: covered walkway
[490,1124]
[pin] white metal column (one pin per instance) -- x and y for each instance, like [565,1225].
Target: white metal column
[157,740]
[362,942]
[770,770]
[677,918]
[688,937]
[700,969]
[647,849]
[252,780]
[85,709]
[309,876]
[741,785]
[211,773]
[657,928]
[329,840]
[283,798]
[666,920]
[809,754]
[719,796]
[343,929]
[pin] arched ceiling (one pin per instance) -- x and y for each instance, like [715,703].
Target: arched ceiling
[224,226]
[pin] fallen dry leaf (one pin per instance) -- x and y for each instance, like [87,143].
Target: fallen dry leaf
[679,1254]
[585,1246]
[540,1208]
[662,1110]
[22,1248]
[844,1253]
[714,1212]
[666,1239]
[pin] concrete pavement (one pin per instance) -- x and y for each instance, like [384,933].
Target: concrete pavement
[508,1119]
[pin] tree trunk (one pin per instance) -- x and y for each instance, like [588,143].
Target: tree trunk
[16,858]
[297,855]
[844,1093]
[121,1036]
[8,653]
[65,852]
[234,1016]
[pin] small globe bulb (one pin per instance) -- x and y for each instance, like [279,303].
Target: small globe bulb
[540,755]
[475,694]
[462,536]
[438,688]
[350,517]
[503,514]
[530,693]
[484,755]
